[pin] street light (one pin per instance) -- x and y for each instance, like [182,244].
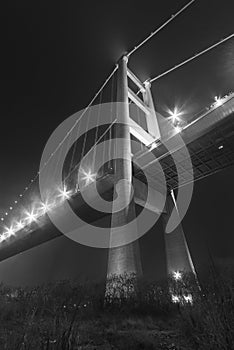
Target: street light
[178,128]
[174,115]
[175,298]
[45,207]
[9,231]
[218,101]
[177,275]
[64,193]
[19,225]
[88,176]
[30,217]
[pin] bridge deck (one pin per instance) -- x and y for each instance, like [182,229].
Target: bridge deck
[209,140]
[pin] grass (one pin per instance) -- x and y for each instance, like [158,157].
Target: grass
[68,315]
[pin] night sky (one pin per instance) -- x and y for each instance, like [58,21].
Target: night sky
[55,56]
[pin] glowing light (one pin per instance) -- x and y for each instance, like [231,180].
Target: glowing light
[2,219]
[177,275]
[188,298]
[174,116]
[16,202]
[178,128]
[6,213]
[88,176]
[8,232]
[153,146]
[10,208]
[30,217]
[175,298]
[182,299]
[64,193]
[44,207]
[220,147]
[19,225]
[218,101]
[147,84]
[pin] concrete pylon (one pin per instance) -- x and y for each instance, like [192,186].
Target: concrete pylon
[123,259]
[177,252]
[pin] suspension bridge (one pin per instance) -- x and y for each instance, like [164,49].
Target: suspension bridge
[208,137]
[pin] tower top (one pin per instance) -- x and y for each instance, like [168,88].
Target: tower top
[123,57]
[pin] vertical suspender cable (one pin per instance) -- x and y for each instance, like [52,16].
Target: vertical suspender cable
[96,132]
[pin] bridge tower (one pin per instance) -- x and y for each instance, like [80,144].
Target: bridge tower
[125,259]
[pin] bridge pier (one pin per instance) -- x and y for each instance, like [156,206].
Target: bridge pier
[177,252]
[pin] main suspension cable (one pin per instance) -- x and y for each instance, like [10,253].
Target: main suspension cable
[158,29]
[32,181]
[191,58]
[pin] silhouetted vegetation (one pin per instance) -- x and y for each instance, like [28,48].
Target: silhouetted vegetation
[129,314]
